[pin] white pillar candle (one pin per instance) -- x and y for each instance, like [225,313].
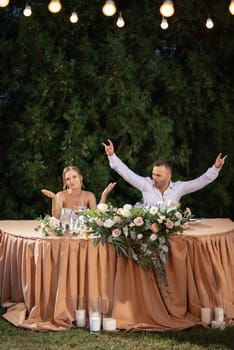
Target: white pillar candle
[95,323]
[109,324]
[80,318]
[206,315]
[219,314]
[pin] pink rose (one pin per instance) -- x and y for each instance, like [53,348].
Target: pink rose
[138,221]
[116,233]
[169,223]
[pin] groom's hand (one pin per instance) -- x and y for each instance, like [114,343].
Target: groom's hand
[109,148]
[219,162]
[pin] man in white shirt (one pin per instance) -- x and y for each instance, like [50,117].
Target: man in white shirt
[160,188]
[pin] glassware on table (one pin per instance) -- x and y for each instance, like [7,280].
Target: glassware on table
[65,216]
[77,213]
[79,210]
[77,218]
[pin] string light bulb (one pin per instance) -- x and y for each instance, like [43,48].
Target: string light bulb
[167,8]
[120,21]
[55,6]
[164,24]
[109,8]
[4,3]
[74,17]
[231,7]
[27,11]
[209,23]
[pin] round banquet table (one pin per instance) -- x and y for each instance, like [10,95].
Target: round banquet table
[43,280]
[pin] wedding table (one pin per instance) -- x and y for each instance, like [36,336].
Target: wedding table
[43,280]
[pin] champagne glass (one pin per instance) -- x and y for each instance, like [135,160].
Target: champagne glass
[79,208]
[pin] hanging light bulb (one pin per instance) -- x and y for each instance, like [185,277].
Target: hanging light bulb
[164,24]
[231,7]
[27,11]
[109,8]
[167,8]
[55,6]
[120,21]
[209,23]
[74,17]
[4,3]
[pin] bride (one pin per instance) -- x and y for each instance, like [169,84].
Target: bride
[73,197]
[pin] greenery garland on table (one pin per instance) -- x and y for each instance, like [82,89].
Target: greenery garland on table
[137,232]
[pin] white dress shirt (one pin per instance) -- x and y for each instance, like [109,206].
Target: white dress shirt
[151,194]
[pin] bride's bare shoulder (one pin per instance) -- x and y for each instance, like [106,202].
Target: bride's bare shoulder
[87,194]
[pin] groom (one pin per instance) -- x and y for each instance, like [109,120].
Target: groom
[160,188]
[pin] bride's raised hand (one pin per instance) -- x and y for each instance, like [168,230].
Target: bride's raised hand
[48,193]
[106,191]
[109,188]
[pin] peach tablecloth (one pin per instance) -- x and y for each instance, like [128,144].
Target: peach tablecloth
[43,280]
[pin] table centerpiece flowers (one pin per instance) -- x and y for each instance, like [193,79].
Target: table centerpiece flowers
[50,226]
[137,232]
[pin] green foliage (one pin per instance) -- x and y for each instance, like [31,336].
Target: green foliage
[157,94]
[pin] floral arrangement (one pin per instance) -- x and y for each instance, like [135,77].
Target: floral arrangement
[137,232]
[50,226]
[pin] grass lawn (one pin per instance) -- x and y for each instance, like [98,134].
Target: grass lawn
[190,339]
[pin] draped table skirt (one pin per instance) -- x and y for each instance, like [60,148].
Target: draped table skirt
[43,280]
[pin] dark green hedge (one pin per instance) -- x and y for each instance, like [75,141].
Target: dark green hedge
[66,88]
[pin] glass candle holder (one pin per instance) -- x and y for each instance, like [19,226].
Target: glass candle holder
[95,322]
[81,318]
[109,324]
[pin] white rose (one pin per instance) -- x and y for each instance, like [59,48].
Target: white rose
[108,223]
[102,207]
[153,210]
[126,213]
[120,211]
[127,207]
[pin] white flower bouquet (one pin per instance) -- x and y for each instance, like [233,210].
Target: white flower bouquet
[50,226]
[139,233]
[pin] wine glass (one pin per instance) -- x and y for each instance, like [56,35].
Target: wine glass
[79,208]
